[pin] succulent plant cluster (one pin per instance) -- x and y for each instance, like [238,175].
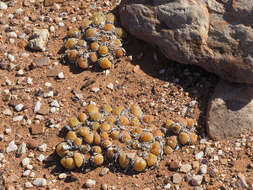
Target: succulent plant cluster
[97,41]
[123,138]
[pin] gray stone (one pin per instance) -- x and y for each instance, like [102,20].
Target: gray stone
[216,35]
[230,110]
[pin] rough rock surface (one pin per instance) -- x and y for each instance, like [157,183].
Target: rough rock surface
[39,39]
[230,110]
[216,35]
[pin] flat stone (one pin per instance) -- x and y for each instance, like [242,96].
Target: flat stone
[37,129]
[185,168]
[41,61]
[176,178]
[215,35]
[230,110]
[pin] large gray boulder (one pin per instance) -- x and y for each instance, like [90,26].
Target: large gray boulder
[230,110]
[214,34]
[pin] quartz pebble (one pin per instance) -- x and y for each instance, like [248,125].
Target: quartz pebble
[28,184]
[62,175]
[25,162]
[43,147]
[196,180]
[19,107]
[37,106]
[203,169]
[3,6]
[26,173]
[40,182]
[104,171]
[41,157]
[110,86]
[61,75]
[199,155]
[11,147]
[55,104]
[90,183]
[18,118]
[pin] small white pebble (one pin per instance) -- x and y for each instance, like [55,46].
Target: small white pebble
[19,11]
[11,147]
[19,107]
[220,152]
[12,35]
[29,166]
[11,58]
[37,106]
[110,86]
[25,162]
[95,89]
[199,155]
[203,169]
[40,182]
[41,157]
[61,75]
[61,24]
[17,118]
[62,175]
[1,156]
[26,173]
[29,80]
[26,18]
[53,109]
[3,6]
[215,157]
[107,72]
[49,94]
[48,84]
[73,19]
[8,131]
[28,184]
[22,36]
[32,175]
[20,72]
[52,29]
[90,183]
[55,104]
[7,112]
[43,147]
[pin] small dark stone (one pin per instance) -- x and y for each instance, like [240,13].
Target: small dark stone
[38,93]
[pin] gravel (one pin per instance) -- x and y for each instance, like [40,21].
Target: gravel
[40,182]
[90,183]
[196,180]
[11,147]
